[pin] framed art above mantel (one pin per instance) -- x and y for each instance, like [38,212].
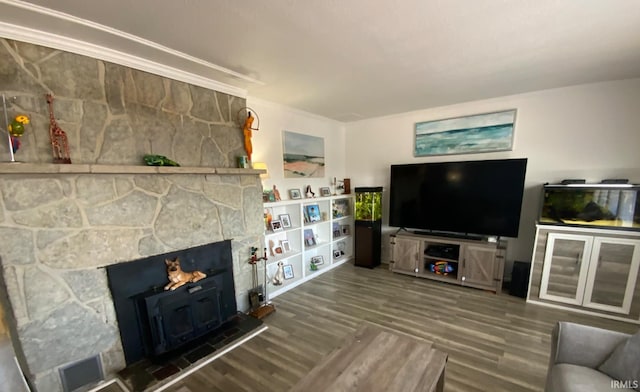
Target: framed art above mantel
[487,132]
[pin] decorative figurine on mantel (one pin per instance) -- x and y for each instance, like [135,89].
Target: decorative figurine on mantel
[178,277]
[159,160]
[247,128]
[59,141]
[16,129]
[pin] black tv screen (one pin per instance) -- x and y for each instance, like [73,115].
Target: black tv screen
[471,197]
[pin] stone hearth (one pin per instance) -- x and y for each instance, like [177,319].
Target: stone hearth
[148,374]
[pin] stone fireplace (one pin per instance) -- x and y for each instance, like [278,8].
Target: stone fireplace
[62,224]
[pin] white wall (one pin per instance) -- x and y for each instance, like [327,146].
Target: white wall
[588,131]
[267,144]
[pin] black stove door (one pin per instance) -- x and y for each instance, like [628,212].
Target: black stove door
[176,317]
[206,309]
[177,325]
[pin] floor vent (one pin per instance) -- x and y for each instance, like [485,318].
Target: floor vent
[81,373]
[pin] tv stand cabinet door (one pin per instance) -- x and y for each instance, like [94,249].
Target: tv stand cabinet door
[406,254]
[479,267]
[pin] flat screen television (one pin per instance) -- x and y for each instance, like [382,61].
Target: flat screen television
[469,198]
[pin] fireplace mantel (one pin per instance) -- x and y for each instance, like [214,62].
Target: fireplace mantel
[50,168]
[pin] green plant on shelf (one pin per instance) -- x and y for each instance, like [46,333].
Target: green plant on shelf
[368,206]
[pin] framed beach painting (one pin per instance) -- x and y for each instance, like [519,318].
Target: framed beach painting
[303,155]
[486,132]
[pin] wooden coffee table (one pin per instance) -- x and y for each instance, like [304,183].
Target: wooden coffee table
[378,359]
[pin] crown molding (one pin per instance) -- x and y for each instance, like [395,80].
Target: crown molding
[251,100]
[37,36]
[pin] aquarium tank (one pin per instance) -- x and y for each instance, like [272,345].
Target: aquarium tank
[599,205]
[368,204]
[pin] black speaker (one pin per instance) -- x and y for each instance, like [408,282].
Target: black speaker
[519,279]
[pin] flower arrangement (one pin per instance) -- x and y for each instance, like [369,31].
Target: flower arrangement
[16,129]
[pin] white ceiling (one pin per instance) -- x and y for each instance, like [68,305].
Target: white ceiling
[354,59]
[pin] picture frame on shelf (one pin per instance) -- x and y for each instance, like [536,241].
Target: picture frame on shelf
[286,246]
[276,225]
[277,250]
[286,220]
[336,230]
[336,254]
[313,211]
[340,208]
[325,191]
[345,229]
[317,260]
[288,271]
[309,237]
[295,194]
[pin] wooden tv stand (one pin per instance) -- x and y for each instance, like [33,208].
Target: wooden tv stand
[472,263]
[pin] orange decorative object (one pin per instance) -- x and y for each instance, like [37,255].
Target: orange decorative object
[268,218]
[276,193]
[247,135]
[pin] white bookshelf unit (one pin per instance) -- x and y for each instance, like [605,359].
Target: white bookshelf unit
[320,230]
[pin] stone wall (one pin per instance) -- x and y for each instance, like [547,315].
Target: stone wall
[114,114]
[58,230]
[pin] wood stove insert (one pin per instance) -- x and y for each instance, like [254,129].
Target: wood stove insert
[153,321]
[173,318]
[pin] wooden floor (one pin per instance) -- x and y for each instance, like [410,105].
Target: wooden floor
[494,342]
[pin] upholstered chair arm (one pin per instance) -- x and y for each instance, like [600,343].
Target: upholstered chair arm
[582,345]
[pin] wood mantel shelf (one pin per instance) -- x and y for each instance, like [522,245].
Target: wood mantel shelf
[51,168]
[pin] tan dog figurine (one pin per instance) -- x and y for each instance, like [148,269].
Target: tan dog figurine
[177,277]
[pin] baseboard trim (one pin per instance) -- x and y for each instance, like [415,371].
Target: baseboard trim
[308,278]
